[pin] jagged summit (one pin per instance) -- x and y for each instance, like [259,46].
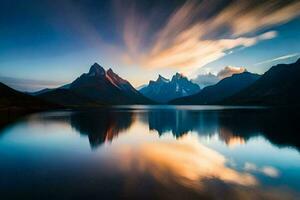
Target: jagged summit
[96,70]
[106,87]
[162,79]
[111,74]
[164,90]
[110,71]
[178,76]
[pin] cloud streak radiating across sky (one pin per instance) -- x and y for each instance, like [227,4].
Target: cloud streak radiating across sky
[279,58]
[188,40]
[140,39]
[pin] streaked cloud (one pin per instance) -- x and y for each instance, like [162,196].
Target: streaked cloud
[187,41]
[245,16]
[280,58]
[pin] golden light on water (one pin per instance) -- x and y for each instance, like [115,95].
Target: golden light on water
[186,159]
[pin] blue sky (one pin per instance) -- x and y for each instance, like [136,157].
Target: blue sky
[49,43]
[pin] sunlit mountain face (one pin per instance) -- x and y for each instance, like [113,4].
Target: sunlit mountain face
[153,152]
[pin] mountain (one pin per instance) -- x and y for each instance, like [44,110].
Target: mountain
[14,104]
[97,87]
[10,98]
[223,89]
[40,92]
[163,90]
[278,86]
[68,98]
[141,87]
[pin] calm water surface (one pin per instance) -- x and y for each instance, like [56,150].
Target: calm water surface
[142,152]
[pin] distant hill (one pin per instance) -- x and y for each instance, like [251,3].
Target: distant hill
[12,99]
[40,92]
[278,86]
[97,87]
[163,90]
[218,92]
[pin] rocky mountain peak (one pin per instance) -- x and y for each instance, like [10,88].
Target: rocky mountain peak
[162,79]
[96,70]
[177,76]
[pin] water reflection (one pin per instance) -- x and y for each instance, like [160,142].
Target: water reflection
[188,169]
[101,126]
[140,153]
[232,126]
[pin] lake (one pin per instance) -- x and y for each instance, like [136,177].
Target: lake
[152,152]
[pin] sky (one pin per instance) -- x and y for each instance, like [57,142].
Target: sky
[48,43]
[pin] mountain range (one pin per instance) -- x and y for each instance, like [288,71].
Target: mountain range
[164,90]
[278,86]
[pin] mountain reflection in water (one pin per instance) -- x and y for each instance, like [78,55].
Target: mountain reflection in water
[102,126]
[232,126]
[144,153]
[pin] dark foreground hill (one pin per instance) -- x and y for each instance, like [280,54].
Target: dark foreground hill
[14,104]
[12,99]
[278,86]
[220,91]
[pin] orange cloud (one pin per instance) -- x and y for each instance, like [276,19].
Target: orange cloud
[229,71]
[185,41]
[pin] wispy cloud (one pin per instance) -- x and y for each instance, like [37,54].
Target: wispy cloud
[187,41]
[279,58]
